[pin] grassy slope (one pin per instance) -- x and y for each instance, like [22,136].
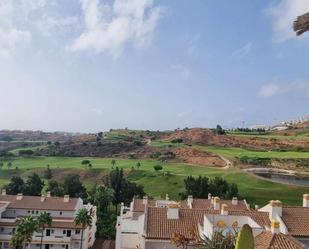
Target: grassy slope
[237,152]
[252,188]
[233,152]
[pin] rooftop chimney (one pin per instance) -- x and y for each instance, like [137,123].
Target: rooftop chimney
[224,210]
[19,197]
[48,194]
[145,200]
[235,201]
[306,200]
[4,191]
[190,200]
[216,203]
[275,209]
[43,198]
[66,198]
[275,226]
[167,197]
[173,211]
[212,200]
[209,196]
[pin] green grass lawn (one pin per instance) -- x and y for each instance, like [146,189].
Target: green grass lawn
[16,151]
[238,152]
[255,190]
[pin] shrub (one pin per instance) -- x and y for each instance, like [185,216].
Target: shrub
[245,238]
[25,152]
[157,167]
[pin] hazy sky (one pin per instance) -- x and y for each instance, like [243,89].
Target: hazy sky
[91,65]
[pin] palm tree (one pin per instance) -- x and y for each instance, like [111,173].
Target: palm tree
[42,220]
[24,232]
[84,219]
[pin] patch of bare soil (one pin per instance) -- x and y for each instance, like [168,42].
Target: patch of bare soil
[89,175]
[209,137]
[193,156]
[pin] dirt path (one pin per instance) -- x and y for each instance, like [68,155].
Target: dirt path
[229,164]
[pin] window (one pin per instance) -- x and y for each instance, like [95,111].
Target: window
[36,212]
[60,213]
[32,212]
[77,231]
[28,211]
[64,231]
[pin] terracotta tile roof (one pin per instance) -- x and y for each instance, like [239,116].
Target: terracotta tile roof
[159,227]
[297,220]
[261,218]
[138,205]
[268,240]
[34,202]
[206,204]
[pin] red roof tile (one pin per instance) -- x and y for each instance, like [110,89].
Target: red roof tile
[35,203]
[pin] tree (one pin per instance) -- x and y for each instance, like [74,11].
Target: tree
[9,165]
[48,174]
[25,152]
[115,182]
[138,165]
[158,167]
[131,189]
[84,219]
[200,187]
[113,162]
[33,185]
[245,239]
[219,130]
[1,165]
[73,186]
[24,232]
[124,190]
[15,186]
[44,219]
[55,188]
[101,197]
[85,162]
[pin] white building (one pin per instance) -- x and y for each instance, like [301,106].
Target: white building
[151,224]
[62,234]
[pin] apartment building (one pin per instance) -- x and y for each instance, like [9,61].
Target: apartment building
[62,234]
[151,224]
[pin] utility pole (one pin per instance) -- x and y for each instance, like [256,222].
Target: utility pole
[301,25]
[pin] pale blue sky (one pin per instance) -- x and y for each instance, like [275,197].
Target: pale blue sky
[92,65]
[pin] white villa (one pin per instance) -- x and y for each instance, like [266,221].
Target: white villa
[150,224]
[63,233]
